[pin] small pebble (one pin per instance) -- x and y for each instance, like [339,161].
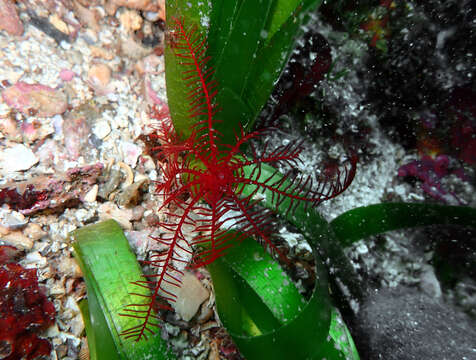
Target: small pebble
[92,194]
[88,17]
[17,158]
[9,128]
[44,100]
[99,76]
[9,20]
[139,240]
[35,259]
[145,5]
[131,153]
[112,180]
[130,20]
[69,267]
[189,296]
[130,195]
[99,52]
[34,231]
[65,45]
[12,220]
[152,16]
[18,240]
[102,129]
[205,314]
[77,325]
[110,210]
[59,24]
[67,75]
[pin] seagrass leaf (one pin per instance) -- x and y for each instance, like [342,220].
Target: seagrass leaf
[265,314]
[374,219]
[249,42]
[109,267]
[283,10]
[193,12]
[271,58]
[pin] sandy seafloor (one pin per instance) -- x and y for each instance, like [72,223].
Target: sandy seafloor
[102,80]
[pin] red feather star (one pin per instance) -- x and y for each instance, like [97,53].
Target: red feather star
[203,182]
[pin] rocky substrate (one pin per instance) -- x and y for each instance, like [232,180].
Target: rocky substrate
[78,79]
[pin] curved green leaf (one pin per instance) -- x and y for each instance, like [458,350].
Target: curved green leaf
[284,9]
[263,311]
[196,13]
[369,220]
[249,42]
[109,267]
[251,298]
[99,333]
[271,59]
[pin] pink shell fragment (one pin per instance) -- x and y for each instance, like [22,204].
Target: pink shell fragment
[45,100]
[9,20]
[67,75]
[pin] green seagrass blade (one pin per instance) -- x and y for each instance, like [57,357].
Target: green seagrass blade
[109,267]
[248,43]
[266,315]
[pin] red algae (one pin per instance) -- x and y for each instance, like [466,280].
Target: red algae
[24,311]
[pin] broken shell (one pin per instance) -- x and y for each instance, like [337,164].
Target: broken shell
[12,220]
[128,171]
[91,194]
[189,296]
[18,240]
[17,158]
[34,231]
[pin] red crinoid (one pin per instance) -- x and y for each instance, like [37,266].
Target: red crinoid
[203,186]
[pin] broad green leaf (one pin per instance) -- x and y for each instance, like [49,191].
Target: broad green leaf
[233,66]
[369,220]
[234,63]
[222,20]
[232,107]
[109,267]
[272,58]
[262,310]
[194,13]
[249,43]
[284,9]
[99,333]
[246,279]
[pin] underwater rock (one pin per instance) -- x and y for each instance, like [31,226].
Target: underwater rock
[430,171]
[403,324]
[17,158]
[43,100]
[144,5]
[50,193]
[189,297]
[9,20]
